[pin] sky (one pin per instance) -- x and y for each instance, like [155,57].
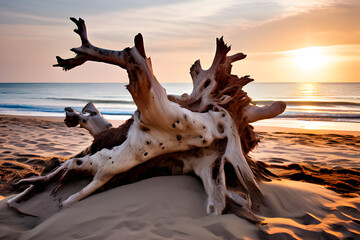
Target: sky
[285,41]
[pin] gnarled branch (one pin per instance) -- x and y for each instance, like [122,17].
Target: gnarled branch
[208,130]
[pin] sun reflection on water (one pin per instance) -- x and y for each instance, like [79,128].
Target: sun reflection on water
[307,89]
[312,125]
[309,108]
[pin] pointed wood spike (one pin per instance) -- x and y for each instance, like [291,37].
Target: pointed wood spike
[220,55]
[139,44]
[74,20]
[59,60]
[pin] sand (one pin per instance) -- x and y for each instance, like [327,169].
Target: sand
[173,207]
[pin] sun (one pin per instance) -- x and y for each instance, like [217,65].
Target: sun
[310,58]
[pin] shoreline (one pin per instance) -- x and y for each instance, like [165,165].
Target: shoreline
[266,128]
[271,125]
[305,126]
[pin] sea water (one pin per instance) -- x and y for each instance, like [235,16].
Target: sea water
[319,102]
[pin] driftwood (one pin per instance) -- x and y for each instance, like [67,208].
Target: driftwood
[206,132]
[90,119]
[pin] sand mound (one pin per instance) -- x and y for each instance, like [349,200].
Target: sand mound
[174,208]
[296,210]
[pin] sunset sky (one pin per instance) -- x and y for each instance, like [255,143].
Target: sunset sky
[286,41]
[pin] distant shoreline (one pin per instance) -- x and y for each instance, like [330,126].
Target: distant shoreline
[309,105]
[271,125]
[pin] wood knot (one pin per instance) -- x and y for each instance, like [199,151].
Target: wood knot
[212,209]
[220,128]
[207,83]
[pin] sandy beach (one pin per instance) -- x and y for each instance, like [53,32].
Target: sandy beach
[317,196]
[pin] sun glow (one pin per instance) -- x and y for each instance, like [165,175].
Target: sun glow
[310,58]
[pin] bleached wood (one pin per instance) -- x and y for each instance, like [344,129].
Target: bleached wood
[206,129]
[255,113]
[90,118]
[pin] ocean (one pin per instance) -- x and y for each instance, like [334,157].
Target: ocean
[307,103]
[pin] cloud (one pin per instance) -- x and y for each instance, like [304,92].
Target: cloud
[67,8]
[334,53]
[22,18]
[176,33]
[167,25]
[324,25]
[254,25]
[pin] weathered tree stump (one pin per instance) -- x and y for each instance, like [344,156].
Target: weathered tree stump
[207,132]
